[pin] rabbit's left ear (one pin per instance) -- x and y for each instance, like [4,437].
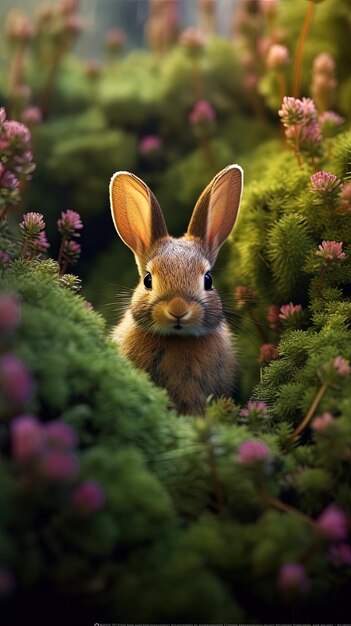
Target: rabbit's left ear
[217,209]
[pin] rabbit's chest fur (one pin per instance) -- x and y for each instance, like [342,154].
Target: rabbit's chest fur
[190,368]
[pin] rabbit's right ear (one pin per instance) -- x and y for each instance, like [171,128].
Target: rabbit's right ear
[136,214]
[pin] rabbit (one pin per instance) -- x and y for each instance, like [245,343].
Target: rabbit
[175,328]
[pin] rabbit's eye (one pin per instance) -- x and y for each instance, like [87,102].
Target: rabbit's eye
[148,281]
[208,281]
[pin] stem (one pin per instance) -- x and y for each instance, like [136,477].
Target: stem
[63,268]
[208,153]
[59,258]
[278,504]
[197,80]
[297,146]
[310,412]
[24,247]
[300,48]
[321,278]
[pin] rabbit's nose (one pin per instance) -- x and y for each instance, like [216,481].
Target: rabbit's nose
[178,308]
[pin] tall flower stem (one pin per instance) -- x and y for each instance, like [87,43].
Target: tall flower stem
[24,247]
[281,506]
[321,279]
[300,49]
[198,84]
[59,258]
[306,420]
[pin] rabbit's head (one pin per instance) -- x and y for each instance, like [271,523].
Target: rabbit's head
[175,295]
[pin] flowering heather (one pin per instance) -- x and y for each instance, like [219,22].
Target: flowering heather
[324,183]
[259,408]
[7,179]
[291,112]
[330,123]
[288,311]
[278,57]
[268,353]
[26,438]
[69,223]
[32,225]
[340,554]
[150,144]
[244,295]
[331,250]
[202,111]
[324,64]
[192,40]
[31,116]
[39,245]
[60,435]
[56,464]
[322,422]
[292,579]
[16,382]
[10,312]
[71,252]
[88,497]
[252,452]
[341,366]
[332,523]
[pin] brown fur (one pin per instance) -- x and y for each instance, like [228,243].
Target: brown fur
[176,330]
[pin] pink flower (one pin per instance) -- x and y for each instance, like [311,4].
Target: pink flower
[31,115]
[192,40]
[259,408]
[202,111]
[93,69]
[268,353]
[71,252]
[115,40]
[324,183]
[330,123]
[340,554]
[273,316]
[10,312]
[291,112]
[278,57]
[32,224]
[7,179]
[252,452]
[323,64]
[7,581]
[292,579]
[331,250]
[310,137]
[16,131]
[15,380]
[341,366]
[2,115]
[26,438]
[39,245]
[69,222]
[88,497]
[268,7]
[59,434]
[150,144]
[5,259]
[73,24]
[332,523]
[345,198]
[59,465]
[322,422]
[288,311]
[244,295]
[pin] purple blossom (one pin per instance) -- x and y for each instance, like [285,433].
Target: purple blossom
[16,131]
[71,252]
[258,408]
[324,184]
[202,111]
[32,225]
[10,312]
[277,57]
[150,144]
[331,250]
[273,316]
[88,497]
[330,123]
[288,311]
[341,366]
[268,353]
[7,179]
[31,115]
[322,422]
[5,259]
[69,223]
[59,434]
[39,245]
[340,554]
[16,382]
[332,523]
[324,64]
[57,465]
[291,112]
[252,452]
[292,579]
[26,438]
